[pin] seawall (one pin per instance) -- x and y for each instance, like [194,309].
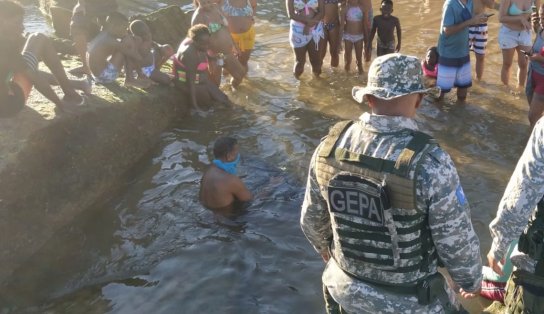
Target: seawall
[53,168]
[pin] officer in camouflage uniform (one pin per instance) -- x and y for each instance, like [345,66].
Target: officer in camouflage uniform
[525,288]
[384,204]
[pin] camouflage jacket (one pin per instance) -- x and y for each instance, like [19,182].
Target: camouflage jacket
[438,192]
[524,190]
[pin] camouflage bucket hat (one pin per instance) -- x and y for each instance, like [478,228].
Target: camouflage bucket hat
[391,76]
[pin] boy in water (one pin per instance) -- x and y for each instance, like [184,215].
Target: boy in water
[19,60]
[111,50]
[220,187]
[385,24]
[153,54]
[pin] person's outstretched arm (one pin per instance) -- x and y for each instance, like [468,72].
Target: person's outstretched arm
[524,190]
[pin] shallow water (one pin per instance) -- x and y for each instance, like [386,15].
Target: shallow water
[152,248]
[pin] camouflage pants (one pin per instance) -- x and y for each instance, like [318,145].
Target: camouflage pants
[524,293]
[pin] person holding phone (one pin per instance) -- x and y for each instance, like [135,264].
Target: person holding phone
[515,35]
[454,69]
[477,35]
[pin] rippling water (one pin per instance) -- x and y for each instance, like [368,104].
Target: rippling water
[153,249]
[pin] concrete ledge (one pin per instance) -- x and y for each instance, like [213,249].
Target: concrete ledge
[53,168]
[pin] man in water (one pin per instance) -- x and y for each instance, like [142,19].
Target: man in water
[384,204]
[220,187]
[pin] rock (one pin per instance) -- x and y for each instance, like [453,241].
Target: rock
[54,168]
[168,25]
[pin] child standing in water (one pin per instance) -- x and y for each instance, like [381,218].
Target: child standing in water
[385,24]
[354,34]
[430,66]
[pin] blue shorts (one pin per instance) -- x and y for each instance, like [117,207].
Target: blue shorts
[453,76]
[108,75]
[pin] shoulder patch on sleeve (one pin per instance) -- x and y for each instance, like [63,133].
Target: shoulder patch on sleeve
[460,195]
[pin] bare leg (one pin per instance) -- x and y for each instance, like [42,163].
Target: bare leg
[522,66]
[367,50]
[334,44]
[300,60]
[462,94]
[359,56]
[507,58]
[323,44]
[243,57]
[82,85]
[480,58]
[235,68]
[160,77]
[314,55]
[41,47]
[80,45]
[348,47]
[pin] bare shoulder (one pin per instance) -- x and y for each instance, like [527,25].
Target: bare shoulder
[198,18]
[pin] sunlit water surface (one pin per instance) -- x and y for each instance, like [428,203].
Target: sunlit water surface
[152,248]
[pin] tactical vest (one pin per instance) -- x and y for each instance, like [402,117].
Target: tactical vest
[380,235]
[531,241]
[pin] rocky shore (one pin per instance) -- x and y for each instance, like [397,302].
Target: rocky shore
[52,168]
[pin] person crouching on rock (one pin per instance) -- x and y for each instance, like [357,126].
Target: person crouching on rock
[19,60]
[220,188]
[111,50]
[191,69]
[153,54]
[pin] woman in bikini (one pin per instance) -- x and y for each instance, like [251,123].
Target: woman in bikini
[222,47]
[331,29]
[354,31]
[305,32]
[240,15]
[515,35]
[190,69]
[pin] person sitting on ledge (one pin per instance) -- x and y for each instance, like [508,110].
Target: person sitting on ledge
[87,19]
[111,50]
[154,55]
[220,188]
[191,69]
[19,60]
